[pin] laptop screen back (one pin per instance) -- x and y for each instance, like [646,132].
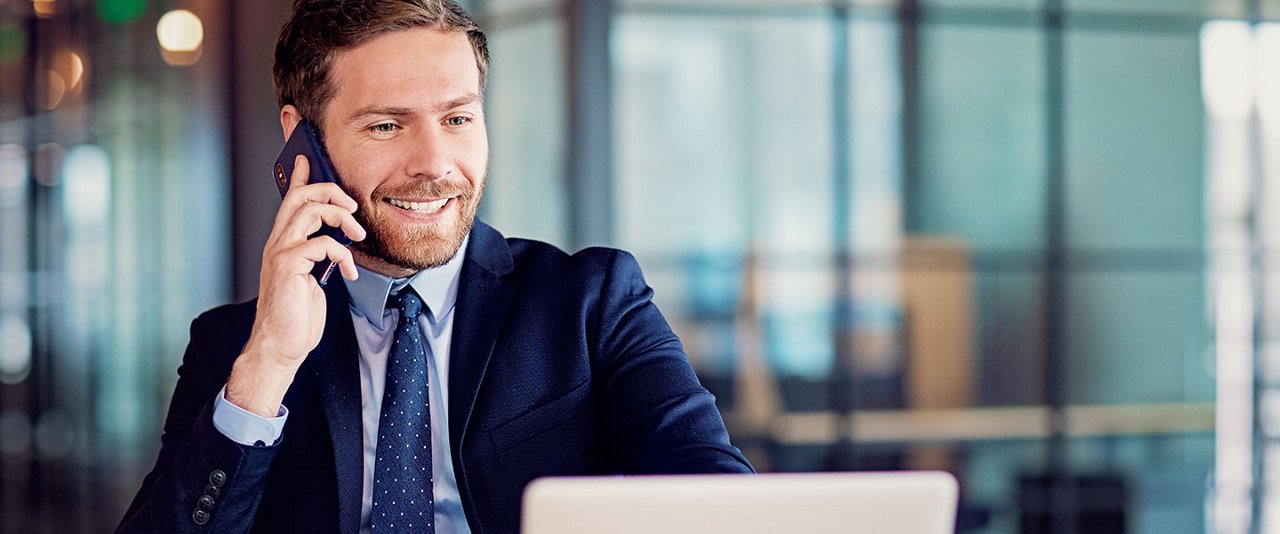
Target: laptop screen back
[857,503]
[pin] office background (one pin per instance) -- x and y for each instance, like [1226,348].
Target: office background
[1031,242]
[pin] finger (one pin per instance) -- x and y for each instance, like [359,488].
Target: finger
[302,258]
[301,172]
[348,267]
[311,216]
[323,192]
[307,221]
[313,194]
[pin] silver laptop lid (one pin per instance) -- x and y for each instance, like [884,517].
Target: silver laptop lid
[858,503]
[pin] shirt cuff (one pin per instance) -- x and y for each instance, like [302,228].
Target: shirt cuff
[245,427]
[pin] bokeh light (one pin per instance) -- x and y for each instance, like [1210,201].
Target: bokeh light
[121,11]
[44,8]
[47,163]
[86,179]
[180,31]
[181,35]
[56,89]
[13,44]
[15,349]
[71,66]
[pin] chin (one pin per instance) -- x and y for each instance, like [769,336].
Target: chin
[418,250]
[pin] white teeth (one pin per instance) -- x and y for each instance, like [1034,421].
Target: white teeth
[420,207]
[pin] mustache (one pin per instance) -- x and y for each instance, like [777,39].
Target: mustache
[427,189]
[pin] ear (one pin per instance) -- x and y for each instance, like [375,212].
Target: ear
[289,119]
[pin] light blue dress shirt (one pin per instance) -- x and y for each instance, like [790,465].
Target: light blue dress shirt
[375,326]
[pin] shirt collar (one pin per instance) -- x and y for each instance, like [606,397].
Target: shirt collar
[438,288]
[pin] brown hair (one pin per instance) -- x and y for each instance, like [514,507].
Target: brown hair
[319,29]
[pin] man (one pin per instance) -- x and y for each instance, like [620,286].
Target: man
[506,359]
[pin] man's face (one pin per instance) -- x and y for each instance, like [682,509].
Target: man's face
[405,131]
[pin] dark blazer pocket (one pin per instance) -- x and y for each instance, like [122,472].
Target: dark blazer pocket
[549,415]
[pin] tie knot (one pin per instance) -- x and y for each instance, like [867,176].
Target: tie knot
[409,303]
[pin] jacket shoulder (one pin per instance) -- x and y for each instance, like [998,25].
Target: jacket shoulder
[592,265]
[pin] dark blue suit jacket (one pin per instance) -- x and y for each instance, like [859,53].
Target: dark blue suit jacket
[560,365]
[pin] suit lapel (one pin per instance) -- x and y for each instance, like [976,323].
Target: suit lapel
[337,372]
[483,301]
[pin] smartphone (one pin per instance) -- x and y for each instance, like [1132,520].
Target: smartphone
[305,140]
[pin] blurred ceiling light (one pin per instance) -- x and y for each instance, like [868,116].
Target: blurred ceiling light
[180,31]
[181,37]
[57,88]
[44,8]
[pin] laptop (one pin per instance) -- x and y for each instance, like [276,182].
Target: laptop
[913,502]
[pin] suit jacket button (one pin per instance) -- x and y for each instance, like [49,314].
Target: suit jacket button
[217,478]
[212,491]
[205,503]
[200,517]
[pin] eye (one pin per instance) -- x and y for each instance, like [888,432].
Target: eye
[385,128]
[457,120]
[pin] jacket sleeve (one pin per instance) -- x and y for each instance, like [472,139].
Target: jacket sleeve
[202,481]
[662,421]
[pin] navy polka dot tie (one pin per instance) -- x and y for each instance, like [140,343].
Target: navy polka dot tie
[402,500]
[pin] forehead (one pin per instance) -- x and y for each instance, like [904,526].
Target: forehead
[408,68]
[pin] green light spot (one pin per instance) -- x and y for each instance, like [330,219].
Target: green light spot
[121,11]
[13,44]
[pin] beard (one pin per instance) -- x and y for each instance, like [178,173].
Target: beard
[420,246]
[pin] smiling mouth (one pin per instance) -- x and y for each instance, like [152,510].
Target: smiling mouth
[426,208]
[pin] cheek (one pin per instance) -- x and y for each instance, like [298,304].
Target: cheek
[477,160]
[359,177]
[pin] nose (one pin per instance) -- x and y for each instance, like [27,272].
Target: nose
[430,156]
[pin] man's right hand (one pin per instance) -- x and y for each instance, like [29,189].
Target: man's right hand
[291,305]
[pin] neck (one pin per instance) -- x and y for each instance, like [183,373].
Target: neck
[380,266]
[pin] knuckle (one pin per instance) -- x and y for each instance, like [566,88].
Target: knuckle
[315,209]
[276,261]
[327,241]
[294,197]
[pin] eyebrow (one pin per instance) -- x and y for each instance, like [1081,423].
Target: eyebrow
[469,98]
